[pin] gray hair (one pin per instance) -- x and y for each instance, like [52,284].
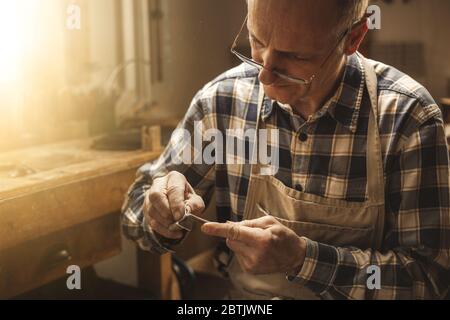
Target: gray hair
[350,11]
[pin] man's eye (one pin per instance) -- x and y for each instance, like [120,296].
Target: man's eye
[255,43]
[299,58]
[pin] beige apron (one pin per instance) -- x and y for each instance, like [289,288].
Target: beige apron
[330,221]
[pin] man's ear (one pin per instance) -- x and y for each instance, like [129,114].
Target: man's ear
[355,38]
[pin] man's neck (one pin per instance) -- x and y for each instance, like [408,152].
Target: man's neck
[320,94]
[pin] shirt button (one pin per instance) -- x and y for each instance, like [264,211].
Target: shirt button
[303,137]
[299,187]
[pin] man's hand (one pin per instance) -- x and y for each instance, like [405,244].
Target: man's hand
[263,245]
[165,202]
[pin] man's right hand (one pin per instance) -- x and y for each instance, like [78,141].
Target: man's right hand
[165,202]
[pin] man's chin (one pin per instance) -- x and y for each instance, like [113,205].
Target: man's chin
[283,94]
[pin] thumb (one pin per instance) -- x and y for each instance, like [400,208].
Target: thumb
[195,203]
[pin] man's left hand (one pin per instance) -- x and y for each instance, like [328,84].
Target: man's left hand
[262,246]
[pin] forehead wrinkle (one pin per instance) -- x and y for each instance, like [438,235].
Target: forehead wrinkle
[275,38]
[304,35]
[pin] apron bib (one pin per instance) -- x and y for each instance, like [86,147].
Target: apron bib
[330,221]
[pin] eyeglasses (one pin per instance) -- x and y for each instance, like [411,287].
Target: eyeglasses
[283,76]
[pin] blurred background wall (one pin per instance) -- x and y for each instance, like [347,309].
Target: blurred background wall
[197,39]
[418,22]
[57,84]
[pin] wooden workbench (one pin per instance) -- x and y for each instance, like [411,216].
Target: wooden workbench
[65,212]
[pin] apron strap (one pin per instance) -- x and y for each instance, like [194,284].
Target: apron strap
[374,160]
[254,163]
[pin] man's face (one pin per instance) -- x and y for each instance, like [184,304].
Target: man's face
[293,37]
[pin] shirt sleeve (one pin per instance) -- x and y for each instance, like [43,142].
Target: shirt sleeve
[178,156]
[415,260]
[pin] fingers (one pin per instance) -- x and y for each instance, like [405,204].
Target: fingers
[263,222]
[156,205]
[164,231]
[176,188]
[189,190]
[195,203]
[157,198]
[165,203]
[232,231]
[162,220]
[239,247]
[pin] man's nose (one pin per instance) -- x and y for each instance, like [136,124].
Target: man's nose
[266,75]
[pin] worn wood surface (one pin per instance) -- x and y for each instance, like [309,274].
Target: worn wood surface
[66,201]
[62,164]
[57,198]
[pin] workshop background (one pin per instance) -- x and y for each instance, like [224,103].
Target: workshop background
[90,90]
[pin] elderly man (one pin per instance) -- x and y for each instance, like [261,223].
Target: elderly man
[361,192]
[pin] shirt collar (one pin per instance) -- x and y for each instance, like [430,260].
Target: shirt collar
[345,104]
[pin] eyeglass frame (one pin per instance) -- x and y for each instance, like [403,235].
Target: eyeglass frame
[299,81]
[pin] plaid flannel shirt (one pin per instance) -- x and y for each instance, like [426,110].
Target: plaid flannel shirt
[326,156]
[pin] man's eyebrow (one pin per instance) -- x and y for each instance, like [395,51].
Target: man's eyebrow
[252,35]
[296,53]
